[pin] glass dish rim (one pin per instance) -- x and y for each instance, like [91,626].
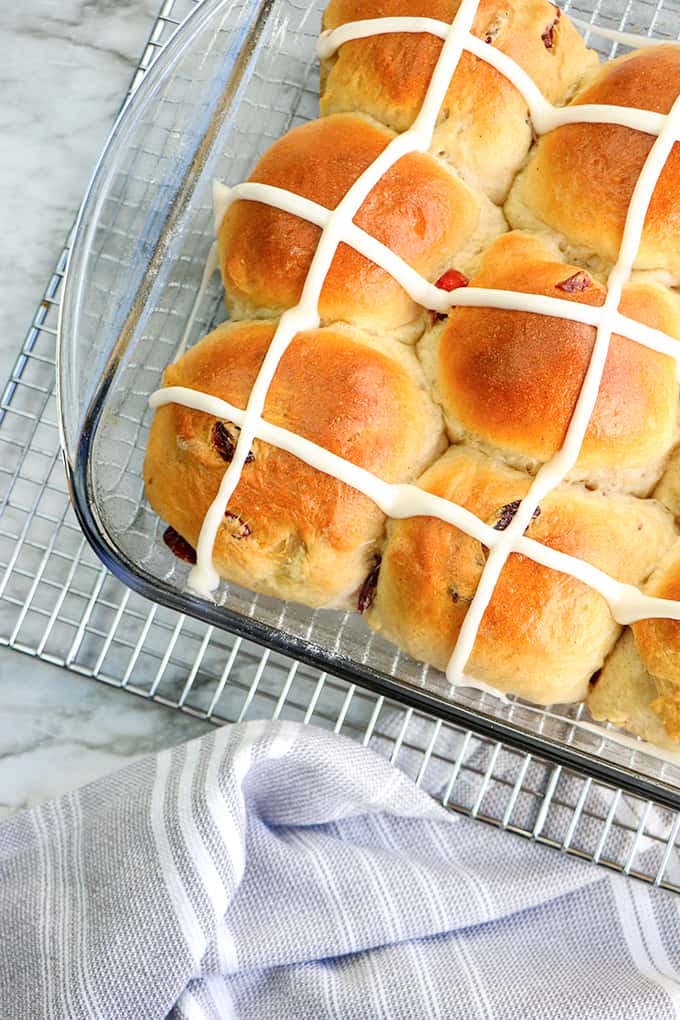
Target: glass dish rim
[81,489]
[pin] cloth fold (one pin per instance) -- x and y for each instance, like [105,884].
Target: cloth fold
[275,870]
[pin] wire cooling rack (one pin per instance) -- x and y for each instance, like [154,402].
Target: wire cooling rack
[58,603]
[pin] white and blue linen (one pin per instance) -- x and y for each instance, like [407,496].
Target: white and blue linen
[276,871]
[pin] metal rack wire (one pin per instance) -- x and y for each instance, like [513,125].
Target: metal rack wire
[58,602]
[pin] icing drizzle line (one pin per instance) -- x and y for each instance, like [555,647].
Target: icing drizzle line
[332,39]
[557,468]
[421,290]
[626,603]
[400,501]
[545,117]
[203,578]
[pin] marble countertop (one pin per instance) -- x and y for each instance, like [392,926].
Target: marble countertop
[66,65]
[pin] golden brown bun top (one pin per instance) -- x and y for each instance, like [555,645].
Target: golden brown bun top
[334,387]
[418,209]
[511,379]
[387,76]
[625,694]
[544,632]
[362,405]
[658,644]
[403,62]
[581,178]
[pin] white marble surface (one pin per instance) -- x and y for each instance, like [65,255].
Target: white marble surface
[65,66]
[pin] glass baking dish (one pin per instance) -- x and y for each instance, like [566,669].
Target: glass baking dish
[236,76]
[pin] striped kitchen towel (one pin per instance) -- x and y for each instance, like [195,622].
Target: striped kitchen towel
[275,871]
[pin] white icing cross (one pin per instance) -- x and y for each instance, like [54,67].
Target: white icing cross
[416,286]
[203,578]
[626,603]
[544,116]
[558,467]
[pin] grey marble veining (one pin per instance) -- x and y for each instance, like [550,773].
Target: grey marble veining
[58,731]
[65,67]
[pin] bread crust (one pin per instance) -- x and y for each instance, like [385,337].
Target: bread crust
[544,633]
[580,178]
[497,372]
[419,209]
[624,693]
[506,381]
[483,128]
[658,644]
[309,537]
